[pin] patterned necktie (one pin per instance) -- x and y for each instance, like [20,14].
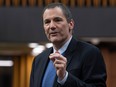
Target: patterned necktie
[49,76]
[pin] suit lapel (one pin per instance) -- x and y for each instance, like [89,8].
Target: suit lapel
[70,50]
[42,68]
[68,54]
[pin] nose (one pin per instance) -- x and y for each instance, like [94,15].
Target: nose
[52,25]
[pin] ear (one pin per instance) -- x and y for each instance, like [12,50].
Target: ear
[71,24]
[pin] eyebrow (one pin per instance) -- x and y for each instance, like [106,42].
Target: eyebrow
[57,18]
[53,18]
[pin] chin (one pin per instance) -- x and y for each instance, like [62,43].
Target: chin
[54,40]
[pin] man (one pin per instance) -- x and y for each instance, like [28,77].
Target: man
[70,62]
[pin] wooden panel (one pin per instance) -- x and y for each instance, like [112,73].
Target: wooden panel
[29,61]
[110,61]
[1,3]
[113,69]
[107,59]
[24,3]
[96,3]
[80,3]
[16,72]
[104,3]
[72,3]
[112,3]
[56,0]
[65,1]
[32,3]
[48,1]
[8,3]
[16,2]
[40,3]
[23,71]
[88,3]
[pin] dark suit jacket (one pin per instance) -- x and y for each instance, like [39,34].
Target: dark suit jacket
[85,66]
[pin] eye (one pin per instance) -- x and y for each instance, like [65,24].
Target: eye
[57,19]
[46,21]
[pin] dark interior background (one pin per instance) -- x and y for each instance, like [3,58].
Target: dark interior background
[25,24]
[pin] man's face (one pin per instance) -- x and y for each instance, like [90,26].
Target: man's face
[56,27]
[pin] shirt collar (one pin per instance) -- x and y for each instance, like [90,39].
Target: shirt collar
[64,47]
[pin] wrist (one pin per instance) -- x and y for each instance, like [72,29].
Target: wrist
[62,76]
[64,79]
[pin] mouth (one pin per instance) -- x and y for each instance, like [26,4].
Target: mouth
[53,33]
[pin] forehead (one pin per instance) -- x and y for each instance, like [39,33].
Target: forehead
[53,12]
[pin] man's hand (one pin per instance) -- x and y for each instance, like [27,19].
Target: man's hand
[59,63]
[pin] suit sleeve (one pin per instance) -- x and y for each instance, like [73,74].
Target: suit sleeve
[93,72]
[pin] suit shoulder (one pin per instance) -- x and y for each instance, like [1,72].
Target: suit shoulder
[87,46]
[44,53]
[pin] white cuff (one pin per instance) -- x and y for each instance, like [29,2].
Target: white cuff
[63,80]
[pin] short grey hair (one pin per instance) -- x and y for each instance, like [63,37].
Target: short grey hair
[67,13]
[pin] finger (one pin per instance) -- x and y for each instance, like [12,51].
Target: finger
[60,66]
[59,62]
[57,56]
[52,57]
[61,58]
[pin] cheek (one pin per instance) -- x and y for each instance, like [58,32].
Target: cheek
[65,29]
[46,30]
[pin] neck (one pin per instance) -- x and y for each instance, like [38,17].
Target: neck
[58,45]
